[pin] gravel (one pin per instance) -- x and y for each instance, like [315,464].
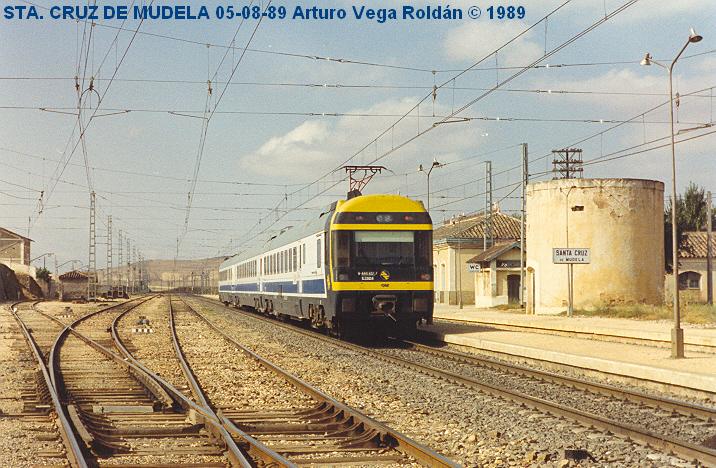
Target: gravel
[470,427]
[658,421]
[25,439]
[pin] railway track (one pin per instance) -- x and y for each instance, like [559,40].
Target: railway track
[33,422]
[315,429]
[465,371]
[114,412]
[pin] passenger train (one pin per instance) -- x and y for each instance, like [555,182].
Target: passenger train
[365,262]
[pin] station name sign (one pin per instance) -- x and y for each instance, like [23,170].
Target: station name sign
[571,255]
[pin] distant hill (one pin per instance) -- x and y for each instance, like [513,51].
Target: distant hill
[165,274]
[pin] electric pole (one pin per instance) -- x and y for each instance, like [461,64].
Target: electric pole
[120,265]
[567,163]
[134,267]
[709,251]
[523,241]
[488,206]
[109,254]
[92,266]
[128,262]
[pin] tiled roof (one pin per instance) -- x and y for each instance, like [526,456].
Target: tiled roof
[14,234]
[494,252]
[473,227]
[73,275]
[694,245]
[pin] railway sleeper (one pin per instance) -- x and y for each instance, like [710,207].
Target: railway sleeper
[386,459]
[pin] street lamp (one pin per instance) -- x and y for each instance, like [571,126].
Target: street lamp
[677,334]
[434,165]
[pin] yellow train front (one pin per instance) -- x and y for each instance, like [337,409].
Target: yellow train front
[364,264]
[379,264]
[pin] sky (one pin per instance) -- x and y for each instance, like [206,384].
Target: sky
[292,101]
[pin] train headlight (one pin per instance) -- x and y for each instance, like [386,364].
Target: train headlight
[342,277]
[384,218]
[425,277]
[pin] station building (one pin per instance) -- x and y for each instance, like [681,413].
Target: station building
[692,267]
[15,251]
[457,242]
[497,275]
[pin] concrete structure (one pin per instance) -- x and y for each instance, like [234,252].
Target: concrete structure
[692,267]
[600,344]
[620,220]
[15,252]
[458,240]
[498,281]
[73,285]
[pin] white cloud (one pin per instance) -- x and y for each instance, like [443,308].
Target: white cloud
[316,146]
[471,42]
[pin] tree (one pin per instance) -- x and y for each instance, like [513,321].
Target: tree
[690,216]
[43,274]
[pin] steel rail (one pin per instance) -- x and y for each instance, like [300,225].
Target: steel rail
[172,393]
[661,442]
[75,454]
[685,408]
[400,442]
[256,449]
[234,454]
[140,374]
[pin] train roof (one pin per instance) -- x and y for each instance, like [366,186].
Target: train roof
[380,202]
[364,203]
[292,234]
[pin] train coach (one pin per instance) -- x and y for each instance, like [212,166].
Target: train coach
[364,264]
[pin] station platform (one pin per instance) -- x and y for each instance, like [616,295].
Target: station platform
[619,347]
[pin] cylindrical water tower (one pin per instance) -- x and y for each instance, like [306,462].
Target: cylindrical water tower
[621,221]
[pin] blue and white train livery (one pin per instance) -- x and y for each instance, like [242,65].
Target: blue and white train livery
[364,260]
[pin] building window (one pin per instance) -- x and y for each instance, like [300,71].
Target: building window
[689,280]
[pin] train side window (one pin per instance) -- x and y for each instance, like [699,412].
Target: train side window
[341,248]
[295,257]
[318,253]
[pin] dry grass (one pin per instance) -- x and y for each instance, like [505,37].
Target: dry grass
[691,313]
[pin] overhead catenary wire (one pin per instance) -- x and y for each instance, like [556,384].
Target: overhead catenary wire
[354,61]
[358,86]
[498,85]
[50,188]
[208,118]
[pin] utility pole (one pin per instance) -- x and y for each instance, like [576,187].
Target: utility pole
[92,266]
[119,261]
[709,251]
[488,206]
[523,241]
[134,267]
[567,163]
[141,271]
[110,282]
[57,277]
[128,262]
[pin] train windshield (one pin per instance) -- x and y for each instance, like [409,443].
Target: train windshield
[382,248]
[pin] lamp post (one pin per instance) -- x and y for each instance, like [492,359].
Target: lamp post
[677,334]
[434,165]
